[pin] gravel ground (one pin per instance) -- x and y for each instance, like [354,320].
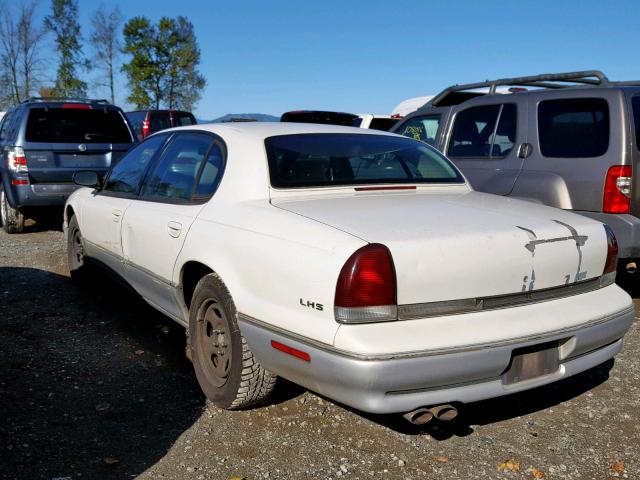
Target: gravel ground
[94,384]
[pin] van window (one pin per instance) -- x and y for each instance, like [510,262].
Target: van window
[636,118]
[421,128]
[573,127]
[488,131]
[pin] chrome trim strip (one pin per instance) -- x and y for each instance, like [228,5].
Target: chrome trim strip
[481,304]
[425,353]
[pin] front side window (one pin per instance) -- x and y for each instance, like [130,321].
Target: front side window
[635,103]
[174,176]
[125,177]
[573,127]
[335,159]
[421,128]
[76,125]
[488,131]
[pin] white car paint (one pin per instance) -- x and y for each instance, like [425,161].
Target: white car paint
[275,248]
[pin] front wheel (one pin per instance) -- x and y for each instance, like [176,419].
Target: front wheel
[228,373]
[12,219]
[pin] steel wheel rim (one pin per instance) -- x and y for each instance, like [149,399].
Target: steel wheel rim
[214,344]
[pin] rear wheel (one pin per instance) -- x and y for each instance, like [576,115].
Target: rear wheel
[78,267]
[228,373]
[12,219]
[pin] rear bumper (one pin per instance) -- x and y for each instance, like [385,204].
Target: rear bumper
[39,194]
[626,228]
[391,384]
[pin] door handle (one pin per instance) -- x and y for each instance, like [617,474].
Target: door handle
[174,229]
[116,215]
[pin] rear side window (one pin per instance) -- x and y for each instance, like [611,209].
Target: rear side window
[175,174]
[573,127]
[136,119]
[333,159]
[421,128]
[488,131]
[126,176]
[636,119]
[76,125]
[159,121]
[183,119]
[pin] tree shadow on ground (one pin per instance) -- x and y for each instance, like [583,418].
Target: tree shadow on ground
[91,384]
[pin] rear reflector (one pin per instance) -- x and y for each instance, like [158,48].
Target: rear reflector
[399,187]
[16,181]
[366,287]
[617,190]
[79,106]
[291,351]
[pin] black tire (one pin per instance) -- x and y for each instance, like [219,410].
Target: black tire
[12,220]
[79,268]
[228,373]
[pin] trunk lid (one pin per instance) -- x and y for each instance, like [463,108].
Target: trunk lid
[467,245]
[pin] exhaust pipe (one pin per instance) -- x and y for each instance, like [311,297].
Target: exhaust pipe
[444,413]
[419,416]
[631,267]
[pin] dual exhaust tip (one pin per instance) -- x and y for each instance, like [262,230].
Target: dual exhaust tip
[423,415]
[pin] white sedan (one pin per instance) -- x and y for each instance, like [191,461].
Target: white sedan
[357,263]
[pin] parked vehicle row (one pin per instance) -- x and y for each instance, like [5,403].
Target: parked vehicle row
[359,264]
[363,120]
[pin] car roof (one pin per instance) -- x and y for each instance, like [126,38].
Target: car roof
[263,130]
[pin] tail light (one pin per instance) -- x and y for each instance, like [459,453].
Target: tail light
[611,263]
[16,160]
[617,190]
[145,128]
[366,288]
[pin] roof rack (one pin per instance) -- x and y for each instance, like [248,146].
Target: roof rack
[66,99]
[547,80]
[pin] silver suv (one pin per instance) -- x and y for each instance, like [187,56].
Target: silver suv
[569,140]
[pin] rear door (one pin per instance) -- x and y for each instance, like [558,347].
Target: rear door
[156,224]
[484,141]
[59,141]
[574,143]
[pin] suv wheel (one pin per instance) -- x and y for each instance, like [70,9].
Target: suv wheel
[228,373]
[12,219]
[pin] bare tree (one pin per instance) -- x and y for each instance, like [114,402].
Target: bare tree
[106,42]
[20,56]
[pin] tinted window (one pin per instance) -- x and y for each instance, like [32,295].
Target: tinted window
[4,123]
[175,174]
[421,128]
[211,173]
[313,160]
[126,176]
[636,119]
[181,119]
[76,125]
[384,124]
[487,131]
[135,119]
[159,121]
[575,127]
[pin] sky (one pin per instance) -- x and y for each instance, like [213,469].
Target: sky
[361,56]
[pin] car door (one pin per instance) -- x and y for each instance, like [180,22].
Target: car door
[486,143]
[156,224]
[102,212]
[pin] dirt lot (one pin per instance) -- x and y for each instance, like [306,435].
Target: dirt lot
[94,384]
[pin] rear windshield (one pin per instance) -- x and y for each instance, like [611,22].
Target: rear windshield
[181,119]
[76,125]
[332,159]
[636,119]
[330,118]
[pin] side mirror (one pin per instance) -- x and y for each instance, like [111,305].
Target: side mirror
[87,179]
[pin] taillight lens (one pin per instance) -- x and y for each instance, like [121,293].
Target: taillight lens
[145,128]
[617,190]
[16,159]
[611,263]
[366,288]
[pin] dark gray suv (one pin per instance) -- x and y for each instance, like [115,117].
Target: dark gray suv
[569,140]
[43,142]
